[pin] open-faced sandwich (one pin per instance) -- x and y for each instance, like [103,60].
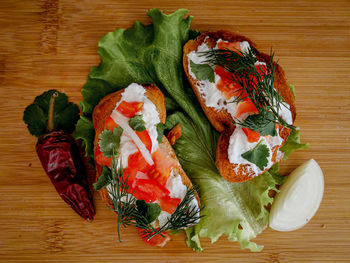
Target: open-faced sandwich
[138,174]
[245,96]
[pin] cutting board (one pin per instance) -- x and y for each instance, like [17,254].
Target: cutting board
[52,44]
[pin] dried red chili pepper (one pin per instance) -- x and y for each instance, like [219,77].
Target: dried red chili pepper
[61,160]
[52,118]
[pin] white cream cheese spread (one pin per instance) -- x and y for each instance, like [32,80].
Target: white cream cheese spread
[150,115]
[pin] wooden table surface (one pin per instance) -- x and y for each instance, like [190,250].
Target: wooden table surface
[52,44]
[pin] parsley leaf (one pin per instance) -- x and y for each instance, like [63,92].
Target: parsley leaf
[202,71]
[103,179]
[268,129]
[258,155]
[262,123]
[150,211]
[160,131]
[65,114]
[137,123]
[109,142]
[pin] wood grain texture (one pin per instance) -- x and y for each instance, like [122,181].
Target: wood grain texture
[52,44]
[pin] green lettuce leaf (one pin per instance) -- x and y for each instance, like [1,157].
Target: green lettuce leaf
[153,53]
[293,143]
[103,180]
[234,209]
[86,132]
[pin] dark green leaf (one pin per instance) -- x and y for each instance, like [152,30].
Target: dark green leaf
[103,180]
[66,118]
[109,142]
[65,114]
[160,131]
[203,71]
[258,155]
[269,129]
[150,211]
[86,132]
[137,123]
[193,34]
[36,119]
[262,122]
[293,143]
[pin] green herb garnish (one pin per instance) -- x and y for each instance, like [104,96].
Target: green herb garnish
[184,216]
[64,114]
[131,211]
[203,71]
[160,131]
[256,83]
[103,179]
[150,210]
[137,123]
[293,143]
[258,155]
[262,123]
[109,142]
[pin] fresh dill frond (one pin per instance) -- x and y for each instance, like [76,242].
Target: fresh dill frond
[125,205]
[256,82]
[184,216]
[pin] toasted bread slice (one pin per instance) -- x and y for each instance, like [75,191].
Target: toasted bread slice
[237,173]
[104,109]
[222,120]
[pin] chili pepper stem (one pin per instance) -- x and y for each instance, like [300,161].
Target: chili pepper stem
[50,124]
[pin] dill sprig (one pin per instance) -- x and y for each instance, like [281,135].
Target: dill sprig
[183,217]
[256,82]
[125,205]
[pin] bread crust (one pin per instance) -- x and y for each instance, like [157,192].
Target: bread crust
[104,109]
[222,120]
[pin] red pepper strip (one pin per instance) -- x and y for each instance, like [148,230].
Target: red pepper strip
[61,160]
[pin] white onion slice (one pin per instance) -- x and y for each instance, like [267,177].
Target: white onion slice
[299,198]
[123,122]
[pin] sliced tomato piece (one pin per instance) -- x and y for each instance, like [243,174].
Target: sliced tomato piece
[252,136]
[129,109]
[227,86]
[163,165]
[234,46]
[225,75]
[136,163]
[145,138]
[149,190]
[110,124]
[102,160]
[144,194]
[169,204]
[245,107]
[157,240]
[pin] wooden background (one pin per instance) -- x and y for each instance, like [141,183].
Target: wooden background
[52,44]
